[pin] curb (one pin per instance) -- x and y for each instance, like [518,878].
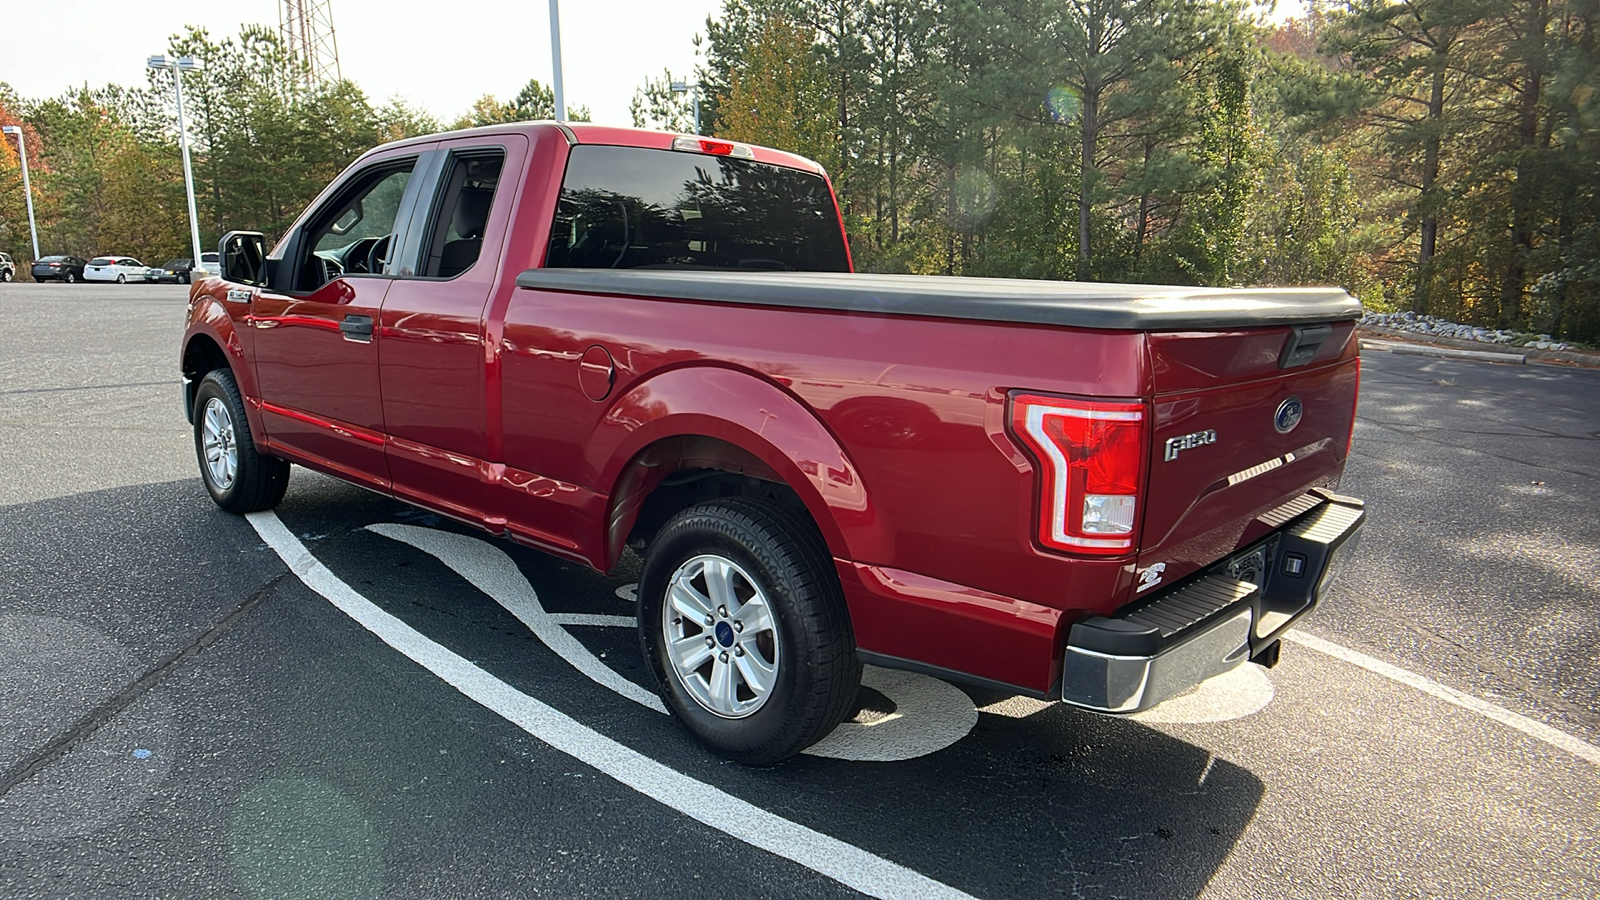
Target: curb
[1412,342]
[1515,359]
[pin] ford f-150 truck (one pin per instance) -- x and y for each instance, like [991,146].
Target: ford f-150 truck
[586,338]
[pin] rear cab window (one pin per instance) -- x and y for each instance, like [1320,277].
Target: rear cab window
[637,208]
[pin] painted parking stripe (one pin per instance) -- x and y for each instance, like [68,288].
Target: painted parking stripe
[929,715]
[845,863]
[487,568]
[1537,730]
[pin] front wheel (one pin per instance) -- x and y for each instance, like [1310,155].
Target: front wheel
[69,278]
[239,478]
[6,275]
[743,624]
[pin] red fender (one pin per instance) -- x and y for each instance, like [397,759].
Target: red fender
[210,318]
[759,417]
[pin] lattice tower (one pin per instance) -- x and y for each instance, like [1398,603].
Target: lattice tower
[307,29]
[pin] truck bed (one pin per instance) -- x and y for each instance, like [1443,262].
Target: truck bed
[1110,307]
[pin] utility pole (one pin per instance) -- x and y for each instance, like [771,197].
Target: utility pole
[555,59]
[679,87]
[179,66]
[22,151]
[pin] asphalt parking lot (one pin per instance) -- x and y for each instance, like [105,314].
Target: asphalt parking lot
[352,698]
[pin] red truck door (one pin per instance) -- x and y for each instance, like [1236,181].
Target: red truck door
[316,344]
[432,355]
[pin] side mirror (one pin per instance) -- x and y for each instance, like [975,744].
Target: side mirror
[242,255]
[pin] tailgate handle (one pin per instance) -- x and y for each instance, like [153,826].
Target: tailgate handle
[1304,342]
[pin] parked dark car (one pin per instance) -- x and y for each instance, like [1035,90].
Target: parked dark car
[58,268]
[8,269]
[173,271]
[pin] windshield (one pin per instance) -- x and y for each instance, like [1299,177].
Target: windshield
[175,264]
[628,208]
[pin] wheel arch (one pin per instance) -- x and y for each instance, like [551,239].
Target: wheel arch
[706,432]
[212,342]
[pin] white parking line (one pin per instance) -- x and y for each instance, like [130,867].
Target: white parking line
[487,568]
[929,715]
[1537,730]
[846,863]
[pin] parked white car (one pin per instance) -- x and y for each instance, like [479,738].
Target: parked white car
[120,269]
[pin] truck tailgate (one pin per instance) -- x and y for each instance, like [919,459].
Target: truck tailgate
[1229,448]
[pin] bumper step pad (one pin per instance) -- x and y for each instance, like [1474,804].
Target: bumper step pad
[1206,626]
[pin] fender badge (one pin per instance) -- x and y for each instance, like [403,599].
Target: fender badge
[1177,445]
[238,296]
[1150,577]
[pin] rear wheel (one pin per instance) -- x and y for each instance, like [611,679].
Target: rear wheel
[122,279]
[239,478]
[742,622]
[6,275]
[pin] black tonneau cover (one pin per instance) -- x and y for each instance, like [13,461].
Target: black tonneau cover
[1114,307]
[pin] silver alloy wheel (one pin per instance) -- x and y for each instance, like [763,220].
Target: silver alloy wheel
[217,442]
[721,636]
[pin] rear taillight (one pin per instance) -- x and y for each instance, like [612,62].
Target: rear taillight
[1091,457]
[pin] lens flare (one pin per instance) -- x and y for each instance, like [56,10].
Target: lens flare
[972,198]
[1063,105]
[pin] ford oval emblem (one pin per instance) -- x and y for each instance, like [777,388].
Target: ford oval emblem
[1288,415]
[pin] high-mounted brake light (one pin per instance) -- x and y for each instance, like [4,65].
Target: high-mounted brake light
[690,144]
[1091,457]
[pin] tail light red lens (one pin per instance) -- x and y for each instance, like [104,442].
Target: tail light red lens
[1091,458]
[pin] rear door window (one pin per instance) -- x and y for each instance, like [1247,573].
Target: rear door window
[635,208]
[455,233]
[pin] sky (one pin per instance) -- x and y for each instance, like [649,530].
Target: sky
[441,57]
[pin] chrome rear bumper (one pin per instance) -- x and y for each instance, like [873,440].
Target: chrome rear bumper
[1210,624]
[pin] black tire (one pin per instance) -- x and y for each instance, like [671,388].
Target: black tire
[816,668]
[258,480]
[6,275]
[69,278]
[122,279]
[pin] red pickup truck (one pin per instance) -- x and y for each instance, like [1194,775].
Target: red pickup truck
[585,338]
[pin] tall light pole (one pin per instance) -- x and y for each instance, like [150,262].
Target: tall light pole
[679,87]
[555,59]
[22,151]
[179,66]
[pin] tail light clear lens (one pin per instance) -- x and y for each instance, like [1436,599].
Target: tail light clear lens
[1091,457]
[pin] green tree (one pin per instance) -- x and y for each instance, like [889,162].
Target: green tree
[533,103]
[779,97]
[656,105]
[1410,51]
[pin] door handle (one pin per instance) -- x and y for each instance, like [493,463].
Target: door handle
[356,328]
